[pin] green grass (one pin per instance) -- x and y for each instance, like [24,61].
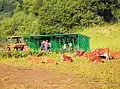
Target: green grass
[106,36]
[106,74]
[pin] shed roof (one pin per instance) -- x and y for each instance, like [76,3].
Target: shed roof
[52,35]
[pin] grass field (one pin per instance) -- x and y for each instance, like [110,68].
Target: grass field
[89,75]
[106,36]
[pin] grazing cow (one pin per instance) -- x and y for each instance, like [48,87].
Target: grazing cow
[66,58]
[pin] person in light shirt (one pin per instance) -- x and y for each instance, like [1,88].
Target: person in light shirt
[42,45]
[46,45]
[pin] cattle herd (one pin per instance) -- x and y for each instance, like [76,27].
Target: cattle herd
[97,55]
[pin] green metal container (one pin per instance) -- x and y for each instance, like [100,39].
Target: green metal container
[59,41]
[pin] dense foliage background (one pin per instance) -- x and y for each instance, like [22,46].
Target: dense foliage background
[24,17]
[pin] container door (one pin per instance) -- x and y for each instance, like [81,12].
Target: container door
[54,46]
[33,45]
[83,43]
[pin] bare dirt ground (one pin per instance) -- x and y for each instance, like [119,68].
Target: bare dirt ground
[12,77]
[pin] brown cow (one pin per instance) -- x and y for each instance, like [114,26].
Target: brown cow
[92,56]
[66,58]
[102,52]
[115,55]
[95,55]
[85,54]
[79,53]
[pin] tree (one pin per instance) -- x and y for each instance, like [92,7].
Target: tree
[25,17]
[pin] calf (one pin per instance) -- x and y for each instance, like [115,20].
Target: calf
[79,53]
[66,58]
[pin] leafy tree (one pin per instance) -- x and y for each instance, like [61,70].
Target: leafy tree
[34,17]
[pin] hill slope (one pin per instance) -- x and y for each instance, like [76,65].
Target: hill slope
[106,36]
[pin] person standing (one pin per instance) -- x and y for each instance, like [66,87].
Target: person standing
[42,45]
[46,45]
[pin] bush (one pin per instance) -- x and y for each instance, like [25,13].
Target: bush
[19,54]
